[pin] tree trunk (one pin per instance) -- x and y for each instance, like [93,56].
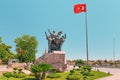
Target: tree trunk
[28,65]
[85,77]
[43,76]
[38,76]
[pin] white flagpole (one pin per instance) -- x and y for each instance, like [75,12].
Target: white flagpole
[114,50]
[86,36]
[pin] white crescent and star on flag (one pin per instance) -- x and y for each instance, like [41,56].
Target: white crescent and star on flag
[81,8]
[78,8]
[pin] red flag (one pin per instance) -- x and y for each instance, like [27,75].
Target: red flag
[78,8]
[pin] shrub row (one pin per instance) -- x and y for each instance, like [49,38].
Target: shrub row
[15,75]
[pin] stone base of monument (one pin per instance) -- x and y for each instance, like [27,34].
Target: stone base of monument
[55,58]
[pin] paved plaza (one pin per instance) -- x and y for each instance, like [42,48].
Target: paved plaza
[114,71]
[5,69]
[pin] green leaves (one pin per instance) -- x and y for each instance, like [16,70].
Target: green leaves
[26,47]
[39,69]
[7,74]
[36,68]
[5,52]
[79,62]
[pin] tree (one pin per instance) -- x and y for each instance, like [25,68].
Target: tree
[79,62]
[26,47]
[5,52]
[99,62]
[40,70]
[111,62]
[105,61]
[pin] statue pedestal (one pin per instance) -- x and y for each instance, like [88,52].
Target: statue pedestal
[56,59]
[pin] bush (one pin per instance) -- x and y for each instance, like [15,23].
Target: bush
[85,73]
[40,70]
[15,75]
[87,68]
[53,70]
[91,74]
[73,77]
[19,75]
[53,76]
[72,72]
[20,70]
[8,74]
[15,69]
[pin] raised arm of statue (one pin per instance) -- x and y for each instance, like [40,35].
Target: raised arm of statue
[46,35]
[65,36]
[50,32]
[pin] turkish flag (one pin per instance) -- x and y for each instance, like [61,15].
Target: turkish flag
[78,8]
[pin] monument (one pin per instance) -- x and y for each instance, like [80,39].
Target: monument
[54,56]
[55,41]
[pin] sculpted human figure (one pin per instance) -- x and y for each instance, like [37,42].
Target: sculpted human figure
[55,35]
[49,41]
[52,34]
[55,40]
[62,39]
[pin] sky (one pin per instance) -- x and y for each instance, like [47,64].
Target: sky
[35,17]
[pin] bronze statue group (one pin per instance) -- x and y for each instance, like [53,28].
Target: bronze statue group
[55,40]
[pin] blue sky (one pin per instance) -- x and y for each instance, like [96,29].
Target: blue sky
[34,17]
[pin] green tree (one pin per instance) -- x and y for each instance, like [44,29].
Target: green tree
[79,62]
[5,52]
[26,47]
[105,61]
[111,62]
[40,70]
[99,62]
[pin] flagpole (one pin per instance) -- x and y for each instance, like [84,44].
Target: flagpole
[78,8]
[114,50]
[86,38]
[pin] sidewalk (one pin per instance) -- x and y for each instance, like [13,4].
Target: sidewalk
[4,68]
[114,71]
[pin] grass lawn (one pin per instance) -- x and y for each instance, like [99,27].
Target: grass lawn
[26,78]
[98,75]
[63,76]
